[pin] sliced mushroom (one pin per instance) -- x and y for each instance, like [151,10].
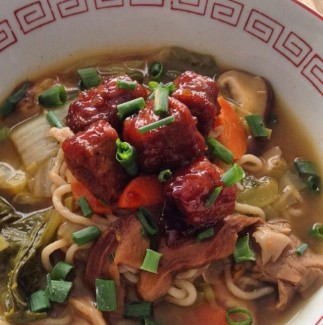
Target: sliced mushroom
[253,94]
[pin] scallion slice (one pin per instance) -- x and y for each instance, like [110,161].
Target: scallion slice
[155,125]
[256,126]
[39,302]
[89,77]
[4,133]
[61,270]
[138,310]
[161,101]
[218,150]
[242,251]
[233,175]
[53,97]
[10,103]
[305,167]
[317,230]
[147,221]
[151,261]
[130,107]
[126,156]
[152,85]
[214,194]
[300,250]
[58,290]
[53,120]
[155,70]
[86,235]
[313,184]
[85,207]
[245,317]
[165,175]
[106,296]
[128,85]
[208,233]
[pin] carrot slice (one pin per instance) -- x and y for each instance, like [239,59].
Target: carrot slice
[79,190]
[233,136]
[141,191]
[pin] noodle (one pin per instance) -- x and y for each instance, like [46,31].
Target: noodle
[69,257]
[129,273]
[250,209]
[250,163]
[49,249]
[187,275]
[190,293]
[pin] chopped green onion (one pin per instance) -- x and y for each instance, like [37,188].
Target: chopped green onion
[58,290]
[4,133]
[256,126]
[130,107]
[233,175]
[85,207]
[242,251]
[147,221]
[211,199]
[86,235]
[245,317]
[208,233]
[165,175]
[152,126]
[61,270]
[152,85]
[55,96]
[161,101]
[217,149]
[305,167]
[155,70]
[313,184]
[151,261]
[128,85]
[317,230]
[126,156]
[39,302]
[106,296]
[138,310]
[89,77]
[53,120]
[10,103]
[300,250]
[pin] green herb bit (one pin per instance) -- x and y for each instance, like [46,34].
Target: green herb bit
[89,78]
[10,103]
[155,70]
[58,290]
[106,296]
[127,158]
[155,125]
[86,235]
[147,221]
[61,270]
[53,120]
[233,175]
[305,167]
[53,97]
[39,302]
[313,184]
[151,261]
[161,101]
[152,85]
[211,199]
[243,251]
[218,150]
[165,175]
[85,207]
[256,126]
[130,107]
[4,133]
[243,313]
[138,310]
[317,230]
[208,233]
[300,250]
[128,85]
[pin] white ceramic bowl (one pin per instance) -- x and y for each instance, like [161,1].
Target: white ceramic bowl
[282,40]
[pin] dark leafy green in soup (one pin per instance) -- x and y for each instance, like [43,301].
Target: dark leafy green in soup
[155,188]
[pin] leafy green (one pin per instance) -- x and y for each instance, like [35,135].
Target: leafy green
[20,263]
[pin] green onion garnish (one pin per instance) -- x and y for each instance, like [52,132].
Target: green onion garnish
[256,126]
[152,126]
[128,85]
[86,235]
[313,184]
[211,199]
[10,103]
[300,250]
[130,107]
[305,167]
[165,175]
[242,251]
[218,150]
[85,207]
[61,270]
[151,261]
[106,296]
[126,156]
[147,221]
[138,310]
[39,302]
[243,314]
[58,290]
[161,101]
[317,230]
[233,175]
[208,233]
[89,78]
[53,120]
[52,97]
[155,70]
[4,133]
[152,85]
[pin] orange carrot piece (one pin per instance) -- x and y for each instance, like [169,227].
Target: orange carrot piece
[233,136]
